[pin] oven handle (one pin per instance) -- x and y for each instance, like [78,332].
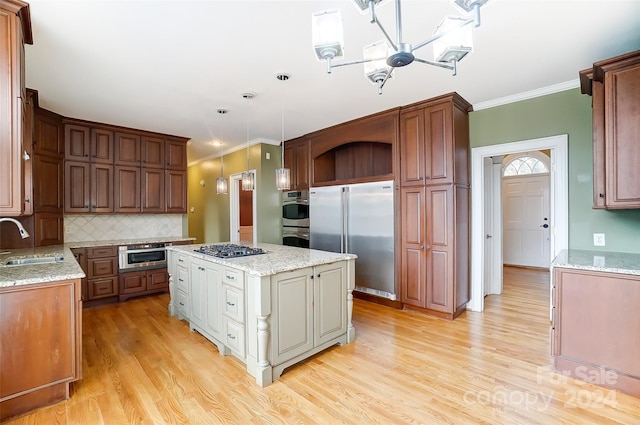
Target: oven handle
[123,249]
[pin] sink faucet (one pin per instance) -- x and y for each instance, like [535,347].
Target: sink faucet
[23,233]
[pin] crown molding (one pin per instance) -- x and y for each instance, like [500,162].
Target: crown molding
[543,91]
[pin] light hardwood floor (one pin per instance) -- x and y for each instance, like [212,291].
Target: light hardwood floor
[143,367]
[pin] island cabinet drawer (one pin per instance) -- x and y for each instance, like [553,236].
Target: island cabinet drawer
[102,251]
[233,277]
[183,304]
[183,279]
[234,336]
[182,260]
[233,303]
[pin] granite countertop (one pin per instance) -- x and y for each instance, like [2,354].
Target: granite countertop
[278,258]
[602,261]
[91,244]
[38,273]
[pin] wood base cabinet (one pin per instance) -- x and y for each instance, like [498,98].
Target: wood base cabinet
[40,344]
[435,249]
[145,282]
[596,330]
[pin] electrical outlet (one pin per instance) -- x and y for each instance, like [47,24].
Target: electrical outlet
[267,155]
[598,239]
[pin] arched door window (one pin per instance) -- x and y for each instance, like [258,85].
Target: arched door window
[525,164]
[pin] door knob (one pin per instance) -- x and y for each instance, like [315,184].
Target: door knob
[488,236]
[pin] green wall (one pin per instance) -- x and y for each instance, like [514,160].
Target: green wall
[209,221]
[567,112]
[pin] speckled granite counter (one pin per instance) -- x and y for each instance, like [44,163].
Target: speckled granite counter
[612,262]
[279,258]
[90,244]
[38,273]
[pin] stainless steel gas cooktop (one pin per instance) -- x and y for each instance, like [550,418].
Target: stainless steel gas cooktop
[229,250]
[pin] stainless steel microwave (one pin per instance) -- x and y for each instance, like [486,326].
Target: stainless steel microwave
[295,208]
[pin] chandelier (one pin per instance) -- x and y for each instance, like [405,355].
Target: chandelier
[451,40]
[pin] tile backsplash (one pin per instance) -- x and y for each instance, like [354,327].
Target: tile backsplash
[99,227]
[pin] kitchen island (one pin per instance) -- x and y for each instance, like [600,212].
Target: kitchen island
[596,331]
[271,310]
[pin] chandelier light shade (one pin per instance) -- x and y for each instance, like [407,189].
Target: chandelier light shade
[283,175]
[456,40]
[452,40]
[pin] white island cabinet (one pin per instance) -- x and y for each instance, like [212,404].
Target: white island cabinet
[270,310]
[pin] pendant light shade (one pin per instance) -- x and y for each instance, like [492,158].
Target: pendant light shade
[248,179]
[222,185]
[283,175]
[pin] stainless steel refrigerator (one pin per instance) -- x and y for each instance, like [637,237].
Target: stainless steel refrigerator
[358,219]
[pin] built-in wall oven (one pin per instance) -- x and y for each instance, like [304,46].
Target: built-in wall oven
[142,257]
[295,218]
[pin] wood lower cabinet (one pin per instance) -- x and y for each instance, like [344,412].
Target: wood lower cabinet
[37,370]
[614,85]
[102,274]
[435,249]
[596,327]
[144,282]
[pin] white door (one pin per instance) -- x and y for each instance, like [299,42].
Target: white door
[526,225]
[488,225]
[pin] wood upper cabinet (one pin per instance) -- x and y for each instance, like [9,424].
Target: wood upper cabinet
[153,191]
[102,145]
[77,140]
[15,27]
[102,188]
[435,142]
[296,159]
[176,154]
[127,149]
[615,87]
[48,175]
[127,189]
[89,187]
[176,191]
[49,229]
[152,152]
[48,134]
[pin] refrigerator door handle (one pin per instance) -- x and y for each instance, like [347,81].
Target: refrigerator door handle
[345,220]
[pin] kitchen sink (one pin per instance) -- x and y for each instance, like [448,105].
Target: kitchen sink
[33,260]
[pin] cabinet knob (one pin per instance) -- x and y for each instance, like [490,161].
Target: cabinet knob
[27,201]
[182,304]
[318,275]
[427,247]
[231,336]
[601,195]
[311,276]
[230,303]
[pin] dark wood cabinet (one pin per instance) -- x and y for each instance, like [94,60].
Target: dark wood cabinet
[176,154]
[127,189]
[80,254]
[48,176]
[15,27]
[49,229]
[102,271]
[152,152]
[176,191]
[112,169]
[153,191]
[144,282]
[48,134]
[296,159]
[77,141]
[434,142]
[127,149]
[614,85]
[434,206]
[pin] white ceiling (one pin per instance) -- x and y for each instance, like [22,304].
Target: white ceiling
[167,66]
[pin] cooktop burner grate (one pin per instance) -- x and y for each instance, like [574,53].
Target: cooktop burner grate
[229,250]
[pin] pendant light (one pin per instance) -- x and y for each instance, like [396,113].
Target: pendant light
[283,175]
[248,179]
[222,185]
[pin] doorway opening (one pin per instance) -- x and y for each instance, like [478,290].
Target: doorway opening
[242,211]
[486,258]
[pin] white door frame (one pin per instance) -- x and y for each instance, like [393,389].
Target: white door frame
[559,203]
[234,207]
